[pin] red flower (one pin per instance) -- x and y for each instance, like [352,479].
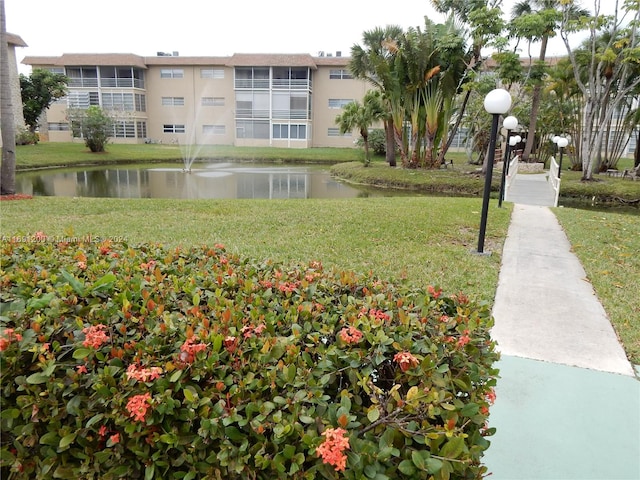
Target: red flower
[115,438]
[405,360]
[138,406]
[142,374]
[95,336]
[103,431]
[7,337]
[332,450]
[350,335]
[81,369]
[433,292]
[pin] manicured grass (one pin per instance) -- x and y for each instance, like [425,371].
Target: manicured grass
[608,246]
[52,154]
[423,240]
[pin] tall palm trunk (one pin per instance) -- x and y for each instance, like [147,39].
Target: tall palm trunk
[8,168]
[535,106]
[390,142]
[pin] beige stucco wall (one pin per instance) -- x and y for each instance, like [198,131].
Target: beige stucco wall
[325,88]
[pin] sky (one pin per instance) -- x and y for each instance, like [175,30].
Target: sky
[208,27]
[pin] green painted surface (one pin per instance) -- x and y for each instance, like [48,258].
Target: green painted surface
[557,422]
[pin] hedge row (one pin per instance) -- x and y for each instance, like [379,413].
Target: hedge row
[139,361]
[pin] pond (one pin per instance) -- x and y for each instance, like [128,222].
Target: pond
[230,180]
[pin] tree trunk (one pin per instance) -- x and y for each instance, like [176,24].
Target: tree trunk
[535,107]
[390,142]
[8,169]
[636,153]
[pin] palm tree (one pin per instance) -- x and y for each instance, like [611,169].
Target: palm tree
[538,20]
[375,62]
[361,116]
[8,169]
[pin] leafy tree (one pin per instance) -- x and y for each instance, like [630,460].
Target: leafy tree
[94,125]
[484,23]
[360,116]
[605,69]
[375,62]
[539,20]
[8,168]
[39,90]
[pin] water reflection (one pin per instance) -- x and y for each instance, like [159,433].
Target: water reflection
[220,180]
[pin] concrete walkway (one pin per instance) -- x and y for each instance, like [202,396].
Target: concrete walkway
[568,403]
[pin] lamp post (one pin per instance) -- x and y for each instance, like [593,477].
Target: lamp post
[562,143]
[497,102]
[510,123]
[555,139]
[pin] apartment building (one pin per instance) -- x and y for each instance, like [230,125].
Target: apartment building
[280,100]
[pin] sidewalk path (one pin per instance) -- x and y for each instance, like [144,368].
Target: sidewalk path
[568,403]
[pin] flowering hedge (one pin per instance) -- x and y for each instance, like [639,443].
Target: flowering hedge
[147,362]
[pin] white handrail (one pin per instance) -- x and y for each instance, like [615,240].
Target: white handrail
[554,180]
[513,171]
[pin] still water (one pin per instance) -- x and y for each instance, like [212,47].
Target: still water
[215,180]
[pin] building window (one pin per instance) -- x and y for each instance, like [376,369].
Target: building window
[123,77]
[252,77]
[141,102]
[214,129]
[124,130]
[252,105]
[141,129]
[172,73]
[296,132]
[335,132]
[117,101]
[340,74]
[252,129]
[339,102]
[83,100]
[82,76]
[173,101]
[58,127]
[213,101]
[173,128]
[216,73]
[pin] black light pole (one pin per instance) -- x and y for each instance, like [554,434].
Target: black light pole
[497,102]
[510,123]
[562,142]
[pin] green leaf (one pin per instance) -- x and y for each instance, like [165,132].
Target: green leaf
[469,410]
[419,459]
[76,284]
[453,448]
[175,376]
[39,303]
[374,414]
[80,353]
[406,467]
[434,465]
[37,378]
[291,373]
[50,438]
[66,441]
[234,434]
[189,395]
[104,283]
[95,419]
[149,472]
[10,413]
